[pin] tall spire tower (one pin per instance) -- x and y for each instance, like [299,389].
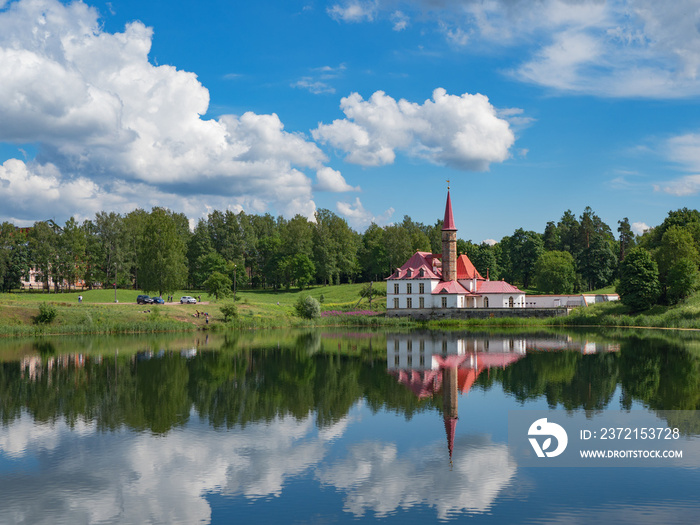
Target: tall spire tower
[449,242]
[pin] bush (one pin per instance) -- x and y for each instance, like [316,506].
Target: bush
[47,313]
[229,311]
[308,308]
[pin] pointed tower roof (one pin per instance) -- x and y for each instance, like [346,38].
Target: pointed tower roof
[448,223]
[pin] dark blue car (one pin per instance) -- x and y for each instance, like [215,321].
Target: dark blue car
[158,300]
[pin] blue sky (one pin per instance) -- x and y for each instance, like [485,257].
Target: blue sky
[362,107]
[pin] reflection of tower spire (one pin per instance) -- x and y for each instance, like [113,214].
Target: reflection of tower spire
[449,405]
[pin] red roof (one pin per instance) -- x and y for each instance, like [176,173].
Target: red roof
[451,287]
[448,223]
[465,268]
[496,287]
[419,260]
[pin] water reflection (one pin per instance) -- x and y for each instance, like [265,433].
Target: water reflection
[149,430]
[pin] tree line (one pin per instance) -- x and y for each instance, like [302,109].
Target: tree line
[157,251]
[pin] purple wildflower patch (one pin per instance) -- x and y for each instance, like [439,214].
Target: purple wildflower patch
[336,313]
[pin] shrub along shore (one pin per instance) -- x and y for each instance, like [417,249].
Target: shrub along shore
[26,314]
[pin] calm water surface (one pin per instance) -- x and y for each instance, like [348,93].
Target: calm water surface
[332,427]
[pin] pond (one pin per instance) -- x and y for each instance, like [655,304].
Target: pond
[325,426]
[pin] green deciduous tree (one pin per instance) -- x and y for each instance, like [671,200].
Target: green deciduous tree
[70,257]
[14,257]
[524,248]
[373,258]
[554,273]
[110,230]
[676,243]
[218,285]
[639,286]
[162,255]
[302,270]
[682,280]
[43,243]
[597,263]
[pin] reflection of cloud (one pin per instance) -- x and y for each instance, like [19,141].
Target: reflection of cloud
[140,478]
[377,478]
[127,478]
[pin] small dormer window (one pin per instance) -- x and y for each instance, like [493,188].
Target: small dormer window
[422,272]
[409,273]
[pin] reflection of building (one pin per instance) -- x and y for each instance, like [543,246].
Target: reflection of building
[450,365]
[446,282]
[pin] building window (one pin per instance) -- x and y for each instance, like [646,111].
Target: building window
[486,302]
[396,287]
[409,345]
[444,302]
[396,360]
[510,302]
[444,348]
[421,287]
[421,302]
[396,303]
[409,360]
[409,302]
[421,360]
[421,346]
[408,288]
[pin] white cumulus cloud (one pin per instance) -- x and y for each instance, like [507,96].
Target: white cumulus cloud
[105,119]
[684,151]
[639,227]
[332,180]
[462,132]
[358,217]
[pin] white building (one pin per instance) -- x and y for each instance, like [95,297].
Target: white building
[429,281]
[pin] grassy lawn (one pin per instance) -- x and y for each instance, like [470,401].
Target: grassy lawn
[99,313]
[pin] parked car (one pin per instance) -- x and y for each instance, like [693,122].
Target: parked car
[144,299]
[158,300]
[186,299]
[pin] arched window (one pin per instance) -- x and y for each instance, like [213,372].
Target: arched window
[486,302]
[510,302]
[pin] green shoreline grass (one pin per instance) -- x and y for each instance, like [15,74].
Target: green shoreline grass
[261,309]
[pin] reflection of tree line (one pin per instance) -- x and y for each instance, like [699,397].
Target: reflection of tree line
[662,375]
[239,387]
[228,388]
